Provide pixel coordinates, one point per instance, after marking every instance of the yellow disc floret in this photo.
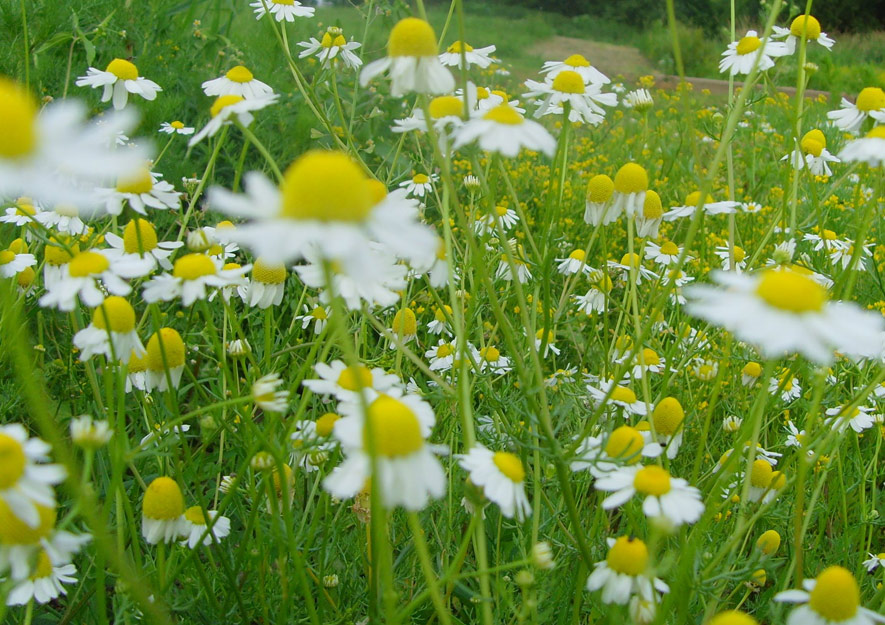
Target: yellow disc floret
(623, 394)
(326, 423)
(165, 341)
(652, 208)
(222, 102)
(405, 323)
(628, 556)
(510, 465)
(669, 249)
(14, 531)
(123, 69)
(577, 60)
(836, 595)
(139, 236)
(355, 378)
(807, 25)
(193, 266)
(326, 186)
(395, 430)
(412, 37)
(631, 178)
(115, 314)
(137, 183)
(268, 273)
(652, 480)
(870, 99)
(88, 264)
(458, 47)
(568, 81)
(239, 74)
(748, 45)
(18, 112)
(43, 568)
(791, 291)
(600, 189)
(446, 106)
(760, 475)
(195, 515)
(733, 617)
(625, 443)
(12, 461)
(163, 500)
(769, 542)
(668, 416)
(504, 114)
(490, 354)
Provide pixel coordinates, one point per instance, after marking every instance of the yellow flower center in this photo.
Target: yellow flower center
(268, 273)
(500, 211)
(490, 354)
(319, 313)
(355, 378)
(652, 480)
(136, 363)
(88, 264)
(446, 106)
(510, 465)
(440, 313)
(752, 369)
(283, 2)
(170, 344)
(760, 475)
(568, 82)
(504, 114)
(668, 416)
(222, 102)
(625, 443)
(631, 178)
(420, 179)
(669, 249)
(653, 208)
(482, 93)
(733, 617)
(325, 186)
(195, 515)
(239, 74)
(177, 125)
(628, 556)
(791, 291)
(56, 255)
(648, 357)
(578, 255)
(123, 69)
(836, 595)
(739, 254)
(870, 99)
(116, 314)
(139, 236)
(876, 133)
(193, 266)
(405, 323)
(694, 197)
(631, 260)
(23, 205)
(816, 135)
(330, 41)
(778, 480)
(445, 350)
(623, 394)
(812, 146)
(326, 423)
(12, 461)
(769, 542)
(6, 257)
(395, 429)
(18, 112)
(807, 25)
(14, 531)
(44, 566)
(412, 37)
(748, 44)
(458, 46)
(577, 60)
(600, 189)
(163, 500)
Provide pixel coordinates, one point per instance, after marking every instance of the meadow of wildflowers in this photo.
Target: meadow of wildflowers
(478, 349)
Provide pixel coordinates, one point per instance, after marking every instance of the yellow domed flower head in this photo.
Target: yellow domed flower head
(326, 423)
(111, 333)
(119, 80)
(733, 617)
(501, 475)
(18, 110)
(769, 542)
(325, 186)
(624, 572)
(164, 359)
(162, 512)
(625, 443)
(833, 597)
(630, 186)
(14, 531)
(598, 209)
(668, 417)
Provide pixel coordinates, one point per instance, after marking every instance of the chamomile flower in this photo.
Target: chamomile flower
(505, 131)
(596, 297)
(176, 128)
(665, 254)
(668, 417)
(802, 26)
(141, 191)
(870, 149)
(519, 263)
(620, 396)
(441, 356)
(118, 81)
(440, 323)
(812, 153)
(238, 81)
(411, 61)
(573, 263)
(420, 185)
(162, 517)
(575, 63)
(665, 496)
(446, 113)
(624, 573)
(630, 267)
(648, 219)
(601, 454)
(783, 311)
(491, 360)
(832, 598)
(725, 255)
(111, 333)
(501, 475)
(45, 583)
(870, 103)
(859, 418)
(786, 384)
(139, 240)
(316, 315)
(191, 275)
(875, 561)
(549, 344)
(732, 424)
(481, 57)
(13, 261)
(585, 100)
(266, 285)
(226, 108)
(90, 434)
(598, 206)
(751, 373)
(630, 187)
(393, 428)
(345, 383)
(333, 47)
(266, 393)
(26, 480)
(204, 528)
(281, 10)
(63, 218)
(501, 216)
(749, 52)
(710, 206)
(85, 272)
(164, 360)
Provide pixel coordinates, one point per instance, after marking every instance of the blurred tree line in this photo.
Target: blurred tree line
(712, 15)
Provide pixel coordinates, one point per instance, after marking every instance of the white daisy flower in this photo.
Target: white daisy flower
(665, 255)
(630, 188)
(25, 480)
(394, 428)
(28, 554)
(281, 10)
(238, 81)
(803, 25)
(441, 356)
(710, 206)
(12, 262)
(574, 263)
(842, 256)
(491, 360)
(197, 529)
(648, 219)
(162, 433)
(870, 103)
(782, 311)
(345, 383)
(163, 363)
(751, 51)
(446, 113)
(505, 131)
(585, 100)
(665, 496)
(316, 315)
(22, 213)
(64, 218)
(90, 434)
(596, 297)
(500, 216)
(575, 63)
(226, 108)
(481, 57)
(520, 264)
(630, 265)
(411, 61)
(139, 240)
(825, 240)
(502, 477)
(859, 418)
(598, 208)
(624, 573)
(875, 561)
(870, 149)
(832, 598)
(89, 270)
(266, 285)
(331, 48)
(639, 100)
(162, 517)
(625, 445)
(420, 185)
(45, 583)
(725, 253)
(176, 128)
(118, 81)
(812, 153)
(440, 323)
(111, 332)
(141, 191)
(190, 277)
(620, 396)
